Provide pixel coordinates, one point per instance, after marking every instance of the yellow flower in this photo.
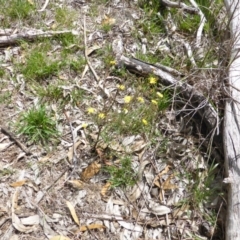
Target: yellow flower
(154, 102)
(144, 121)
(159, 94)
(140, 99)
(113, 62)
(121, 87)
(152, 80)
(101, 115)
(84, 125)
(125, 110)
(91, 110)
(127, 99)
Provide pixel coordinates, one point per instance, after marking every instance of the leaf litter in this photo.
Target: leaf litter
(37, 188)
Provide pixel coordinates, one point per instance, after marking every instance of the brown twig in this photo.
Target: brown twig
(73, 160)
(12, 137)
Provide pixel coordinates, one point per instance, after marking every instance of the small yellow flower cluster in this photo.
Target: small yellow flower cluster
(84, 125)
(154, 102)
(152, 80)
(101, 115)
(113, 62)
(91, 110)
(140, 99)
(160, 95)
(121, 87)
(128, 99)
(144, 121)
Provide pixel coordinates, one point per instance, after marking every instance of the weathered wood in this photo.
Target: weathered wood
(232, 126)
(9, 39)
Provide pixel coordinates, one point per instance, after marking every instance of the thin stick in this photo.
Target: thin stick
(11, 136)
(44, 6)
(85, 52)
(202, 22)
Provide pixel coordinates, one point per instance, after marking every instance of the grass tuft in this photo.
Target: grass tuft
(37, 125)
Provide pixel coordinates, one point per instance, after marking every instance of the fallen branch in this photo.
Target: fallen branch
(179, 4)
(30, 35)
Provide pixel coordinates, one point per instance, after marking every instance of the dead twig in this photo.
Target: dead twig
(73, 160)
(202, 22)
(44, 6)
(12, 137)
(86, 50)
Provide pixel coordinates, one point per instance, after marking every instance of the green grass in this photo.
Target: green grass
(2, 72)
(37, 125)
(16, 9)
(5, 97)
(55, 93)
(203, 190)
(39, 66)
(65, 17)
(122, 175)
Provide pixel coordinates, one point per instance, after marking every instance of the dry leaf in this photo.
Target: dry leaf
(70, 152)
(91, 226)
(19, 183)
(45, 158)
(92, 49)
(90, 171)
(15, 219)
(73, 213)
(19, 226)
(108, 21)
(105, 188)
(59, 237)
(4, 146)
(31, 220)
(158, 209)
(168, 185)
(76, 184)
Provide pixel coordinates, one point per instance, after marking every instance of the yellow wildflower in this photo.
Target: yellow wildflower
(127, 99)
(91, 110)
(160, 94)
(121, 87)
(154, 102)
(84, 125)
(113, 62)
(101, 115)
(152, 80)
(144, 121)
(140, 99)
